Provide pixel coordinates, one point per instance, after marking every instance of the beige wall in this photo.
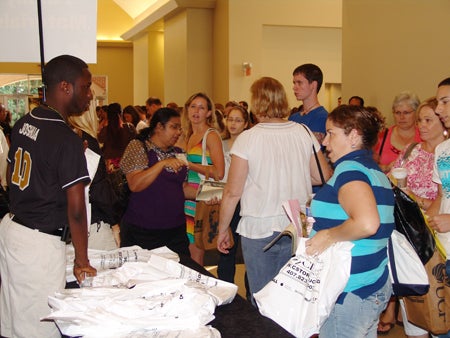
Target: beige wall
(391, 46)
(20, 68)
(116, 62)
(291, 32)
(175, 51)
(188, 55)
(155, 65)
(140, 70)
(221, 54)
(204, 48)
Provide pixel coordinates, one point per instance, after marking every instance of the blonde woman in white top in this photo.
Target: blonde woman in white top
(272, 162)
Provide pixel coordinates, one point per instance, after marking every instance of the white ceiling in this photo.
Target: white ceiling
(135, 7)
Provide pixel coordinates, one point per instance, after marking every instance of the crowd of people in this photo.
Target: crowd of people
(66, 152)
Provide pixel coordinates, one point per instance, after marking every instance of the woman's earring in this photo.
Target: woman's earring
(445, 133)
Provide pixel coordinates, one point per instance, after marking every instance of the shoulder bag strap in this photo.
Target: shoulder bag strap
(382, 142)
(204, 161)
(408, 151)
(322, 178)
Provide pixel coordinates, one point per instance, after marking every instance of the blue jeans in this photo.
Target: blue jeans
(262, 266)
(356, 317)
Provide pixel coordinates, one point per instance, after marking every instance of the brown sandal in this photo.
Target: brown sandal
(381, 325)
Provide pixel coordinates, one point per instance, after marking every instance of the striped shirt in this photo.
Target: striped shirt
(369, 270)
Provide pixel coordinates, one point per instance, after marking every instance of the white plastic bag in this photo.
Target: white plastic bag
(105, 260)
(407, 272)
(158, 298)
(305, 290)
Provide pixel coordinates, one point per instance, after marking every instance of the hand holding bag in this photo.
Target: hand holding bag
(206, 226)
(305, 290)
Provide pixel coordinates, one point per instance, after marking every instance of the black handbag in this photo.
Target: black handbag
(410, 222)
(119, 185)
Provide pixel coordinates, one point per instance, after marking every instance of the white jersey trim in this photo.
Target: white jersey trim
(47, 119)
(75, 181)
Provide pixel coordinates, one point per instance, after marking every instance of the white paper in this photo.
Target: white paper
(92, 160)
(69, 27)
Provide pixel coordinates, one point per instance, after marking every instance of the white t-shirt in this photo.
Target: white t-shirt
(278, 156)
(441, 175)
(141, 125)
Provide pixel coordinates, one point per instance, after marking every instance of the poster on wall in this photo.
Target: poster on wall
(100, 89)
(69, 27)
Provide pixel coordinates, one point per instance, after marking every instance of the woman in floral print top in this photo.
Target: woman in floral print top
(420, 161)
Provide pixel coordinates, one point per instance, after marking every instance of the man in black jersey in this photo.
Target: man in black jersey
(47, 175)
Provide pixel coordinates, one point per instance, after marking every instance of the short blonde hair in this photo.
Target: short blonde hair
(269, 98)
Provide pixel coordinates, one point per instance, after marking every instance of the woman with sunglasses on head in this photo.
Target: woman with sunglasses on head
(393, 140)
(199, 122)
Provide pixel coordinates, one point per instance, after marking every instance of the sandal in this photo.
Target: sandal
(382, 325)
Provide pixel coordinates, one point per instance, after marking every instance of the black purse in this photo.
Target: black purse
(410, 222)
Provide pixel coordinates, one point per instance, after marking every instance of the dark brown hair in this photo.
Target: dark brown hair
(368, 122)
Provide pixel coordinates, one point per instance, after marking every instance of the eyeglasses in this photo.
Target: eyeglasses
(175, 126)
(238, 120)
(398, 113)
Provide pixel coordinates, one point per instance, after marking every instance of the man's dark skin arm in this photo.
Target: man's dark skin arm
(76, 213)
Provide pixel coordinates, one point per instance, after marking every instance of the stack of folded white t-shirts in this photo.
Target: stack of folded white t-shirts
(157, 298)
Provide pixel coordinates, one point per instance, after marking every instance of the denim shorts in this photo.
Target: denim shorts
(357, 317)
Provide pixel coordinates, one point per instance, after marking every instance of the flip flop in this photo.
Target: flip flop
(383, 324)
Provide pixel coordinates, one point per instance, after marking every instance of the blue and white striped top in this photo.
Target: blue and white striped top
(369, 270)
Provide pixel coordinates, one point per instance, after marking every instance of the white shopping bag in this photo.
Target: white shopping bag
(305, 290)
(407, 272)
